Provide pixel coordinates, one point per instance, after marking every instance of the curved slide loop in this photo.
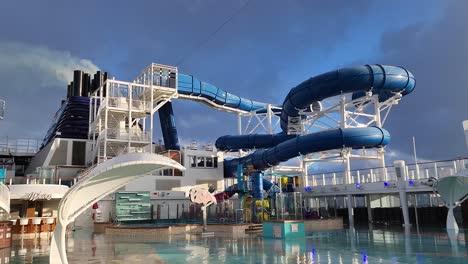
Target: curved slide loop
(368, 137)
(101, 181)
(381, 79)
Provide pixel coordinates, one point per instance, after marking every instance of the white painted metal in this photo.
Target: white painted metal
(453, 190)
(401, 183)
(99, 182)
(2, 109)
(349, 201)
(124, 106)
(348, 113)
(4, 198)
(465, 128)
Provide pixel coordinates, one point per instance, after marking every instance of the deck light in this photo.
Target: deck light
(385, 184)
(410, 182)
(358, 186)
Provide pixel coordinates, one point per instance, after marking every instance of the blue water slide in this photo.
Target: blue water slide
(189, 85)
(168, 127)
(267, 186)
(381, 80)
(365, 137)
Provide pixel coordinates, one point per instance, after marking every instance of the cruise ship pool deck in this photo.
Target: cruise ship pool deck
(338, 246)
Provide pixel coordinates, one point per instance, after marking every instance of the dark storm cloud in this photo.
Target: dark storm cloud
(438, 57)
(269, 47)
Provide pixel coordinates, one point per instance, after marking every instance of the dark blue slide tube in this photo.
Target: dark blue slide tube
(366, 137)
(383, 80)
(168, 127)
(257, 185)
(380, 79)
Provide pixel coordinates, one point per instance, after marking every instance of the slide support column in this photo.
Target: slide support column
(400, 169)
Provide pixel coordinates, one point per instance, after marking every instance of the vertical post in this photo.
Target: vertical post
(415, 159)
(400, 169)
(369, 209)
(347, 169)
(239, 124)
(378, 123)
(350, 210)
(269, 116)
(204, 218)
(416, 211)
(436, 173)
(129, 92)
(358, 174)
(151, 86)
(106, 118)
(257, 192)
(334, 178)
(240, 184)
(305, 179)
(344, 125)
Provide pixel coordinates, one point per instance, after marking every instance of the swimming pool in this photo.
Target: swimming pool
(342, 246)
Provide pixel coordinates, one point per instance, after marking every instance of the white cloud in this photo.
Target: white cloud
(43, 67)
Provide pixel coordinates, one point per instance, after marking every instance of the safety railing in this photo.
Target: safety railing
(123, 103)
(19, 146)
(126, 134)
(423, 170)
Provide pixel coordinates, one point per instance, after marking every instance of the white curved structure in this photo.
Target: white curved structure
(4, 198)
(100, 181)
(453, 190)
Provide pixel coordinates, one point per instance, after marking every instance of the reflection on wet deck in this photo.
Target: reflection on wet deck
(343, 246)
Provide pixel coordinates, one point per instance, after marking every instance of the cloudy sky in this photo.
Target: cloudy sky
(267, 48)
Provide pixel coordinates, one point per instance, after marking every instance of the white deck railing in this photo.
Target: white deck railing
(423, 170)
(19, 146)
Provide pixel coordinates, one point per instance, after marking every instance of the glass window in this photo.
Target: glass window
(209, 162)
(193, 161)
(200, 161)
(215, 161)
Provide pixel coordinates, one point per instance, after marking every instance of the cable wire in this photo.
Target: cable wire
(210, 36)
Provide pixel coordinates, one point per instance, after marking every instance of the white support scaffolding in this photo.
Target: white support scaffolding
(349, 113)
(264, 122)
(121, 113)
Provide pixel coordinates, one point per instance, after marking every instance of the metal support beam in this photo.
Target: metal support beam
(400, 169)
(349, 200)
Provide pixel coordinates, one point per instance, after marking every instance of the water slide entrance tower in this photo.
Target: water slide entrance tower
(124, 122)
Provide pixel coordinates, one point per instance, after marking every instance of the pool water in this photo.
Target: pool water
(342, 246)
